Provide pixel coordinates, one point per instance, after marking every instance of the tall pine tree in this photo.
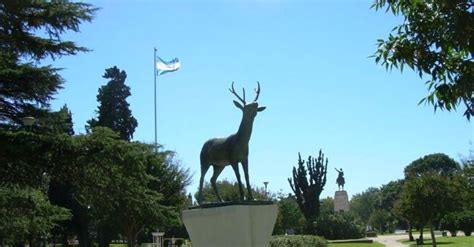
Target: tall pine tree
(31, 31)
(113, 110)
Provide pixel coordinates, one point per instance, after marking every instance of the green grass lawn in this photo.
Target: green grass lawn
(461, 241)
(374, 244)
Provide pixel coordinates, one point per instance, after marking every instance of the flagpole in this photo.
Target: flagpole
(154, 74)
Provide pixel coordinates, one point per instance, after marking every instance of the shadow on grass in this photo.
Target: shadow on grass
(428, 243)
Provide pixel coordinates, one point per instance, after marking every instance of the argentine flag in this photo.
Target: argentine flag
(163, 67)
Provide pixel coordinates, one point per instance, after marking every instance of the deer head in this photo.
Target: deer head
(250, 109)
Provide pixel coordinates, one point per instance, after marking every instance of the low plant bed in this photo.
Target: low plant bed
(297, 241)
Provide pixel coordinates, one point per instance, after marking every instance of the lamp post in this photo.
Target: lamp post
(265, 183)
(28, 121)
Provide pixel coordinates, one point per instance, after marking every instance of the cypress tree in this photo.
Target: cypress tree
(113, 110)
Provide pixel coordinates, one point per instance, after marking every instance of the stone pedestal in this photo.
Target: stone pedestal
(231, 226)
(341, 201)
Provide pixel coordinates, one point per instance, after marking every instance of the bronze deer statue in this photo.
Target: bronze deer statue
(221, 152)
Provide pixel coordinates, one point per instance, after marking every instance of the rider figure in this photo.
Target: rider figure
(340, 179)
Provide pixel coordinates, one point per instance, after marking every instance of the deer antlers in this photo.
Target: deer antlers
(257, 91)
(232, 90)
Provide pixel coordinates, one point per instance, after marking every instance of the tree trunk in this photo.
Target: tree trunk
(64, 239)
(104, 235)
(421, 233)
(19, 244)
(410, 232)
(138, 232)
(31, 241)
(310, 228)
(83, 235)
(130, 237)
(433, 239)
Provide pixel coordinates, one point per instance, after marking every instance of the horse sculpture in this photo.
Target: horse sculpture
(340, 179)
(232, 150)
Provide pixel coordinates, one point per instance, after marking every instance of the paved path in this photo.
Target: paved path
(391, 240)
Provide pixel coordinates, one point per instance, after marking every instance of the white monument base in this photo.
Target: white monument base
(231, 226)
(341, 201)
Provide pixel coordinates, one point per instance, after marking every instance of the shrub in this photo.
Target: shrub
(339, 226)
(297, 241)
(466, 222)
(371, 234)
(450, 222)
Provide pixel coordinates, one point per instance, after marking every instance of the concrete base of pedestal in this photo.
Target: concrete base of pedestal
(231, 226)
(341, 201)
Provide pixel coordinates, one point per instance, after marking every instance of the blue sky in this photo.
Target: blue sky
(321, 89)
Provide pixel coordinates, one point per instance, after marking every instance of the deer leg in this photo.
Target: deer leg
(235, 166)
(204, 168)
(245, 165)
(217, 171)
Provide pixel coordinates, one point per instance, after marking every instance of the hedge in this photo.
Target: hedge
(298, 241)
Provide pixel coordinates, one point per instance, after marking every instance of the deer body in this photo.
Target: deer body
(232, 150)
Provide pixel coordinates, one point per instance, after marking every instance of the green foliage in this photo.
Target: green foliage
(27, 158)
(339, 226)
(289, 216)
(115, 181)
(375, 207)
(297, 241)
(466, 222)
(371, 234)
(326, 206)
(426, 199)
(31, 31)
(113, 110)
(379, 219)
(229, 191)
(435, 39)
(468, 175)
(307, 189)
(434, 163)
(58, 122)
(363, 204)
(389, 193)
(26, 87)
(26, 213)
(433, 187)
(450, 222)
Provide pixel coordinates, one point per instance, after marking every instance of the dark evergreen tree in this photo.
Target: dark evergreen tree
(128, 187)
(56, 122)
(29, 32)
(113, 111)
(308, 189)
